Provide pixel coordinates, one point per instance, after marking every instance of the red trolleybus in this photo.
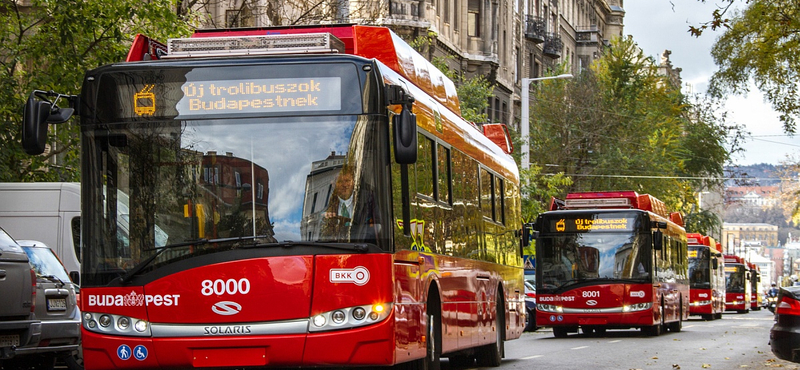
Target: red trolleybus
(309, 217)
(755, 283)
(706, 277)
(737, 284)
(611, 260)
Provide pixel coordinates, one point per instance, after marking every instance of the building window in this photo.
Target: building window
(474, 18)
(241, 17)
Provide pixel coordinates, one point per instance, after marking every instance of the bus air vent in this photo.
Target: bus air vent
(308, 43)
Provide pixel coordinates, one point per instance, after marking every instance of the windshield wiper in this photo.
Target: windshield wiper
(138, 268)
(54, 279)
(358, 247)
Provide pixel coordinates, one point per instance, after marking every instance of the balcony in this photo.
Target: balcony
(534, 29)
(552, 45)
(588, 36)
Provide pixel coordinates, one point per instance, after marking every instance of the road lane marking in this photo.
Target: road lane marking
(688, 326)
(615, 341)
(581, 347)
(531, 357)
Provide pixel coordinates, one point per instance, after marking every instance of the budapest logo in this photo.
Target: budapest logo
(226, 308)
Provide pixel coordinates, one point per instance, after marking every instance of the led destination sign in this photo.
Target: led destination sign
(228, 92)
(260, 96)
(587, 224)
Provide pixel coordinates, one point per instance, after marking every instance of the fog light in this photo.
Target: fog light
(319, 321)
(124, 322)
(359, 313)
(87, 316)
(92, 324)
(338, 317)
(373, 315)
(105, 321)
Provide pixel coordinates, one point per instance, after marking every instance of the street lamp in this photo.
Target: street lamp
(526, 85)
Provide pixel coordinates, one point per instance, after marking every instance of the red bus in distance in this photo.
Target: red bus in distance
(755, 284)
(706, 277)
(318, 199)
(737, 284)
(611, 260)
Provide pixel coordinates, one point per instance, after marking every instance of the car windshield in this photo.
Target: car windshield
(45, 263)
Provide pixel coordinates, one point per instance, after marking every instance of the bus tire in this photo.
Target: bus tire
(676, 326)
(560, 332)
(433, 344)
(491, 355)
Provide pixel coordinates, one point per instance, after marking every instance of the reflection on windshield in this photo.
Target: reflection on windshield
(699, 273)
(281, 180)
(568, 259)
(734, 279)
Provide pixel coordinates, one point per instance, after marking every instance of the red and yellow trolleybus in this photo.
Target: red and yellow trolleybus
(737, 284)
(706, 277)
(289, 197)
(755, 284)
(611, 260)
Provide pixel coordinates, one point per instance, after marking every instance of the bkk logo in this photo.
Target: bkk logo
(133, 300)
(639, 294)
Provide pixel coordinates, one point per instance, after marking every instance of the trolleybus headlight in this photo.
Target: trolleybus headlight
(140, 326)
(338, 317)
(637, 307)
(359, 313)
(123, 322)
(350, 317)
(103, 323)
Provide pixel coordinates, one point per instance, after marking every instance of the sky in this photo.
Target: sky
(658, 25)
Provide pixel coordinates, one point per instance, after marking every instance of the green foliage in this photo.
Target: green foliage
(761, 44)
(539, 189)
(48, 45)
(623, 126)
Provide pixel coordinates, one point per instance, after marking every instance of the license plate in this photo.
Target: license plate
(9, 340)
(56, 304)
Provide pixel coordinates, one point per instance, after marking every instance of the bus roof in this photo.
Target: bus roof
(626, 199)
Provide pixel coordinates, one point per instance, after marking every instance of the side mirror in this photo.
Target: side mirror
(658, 240)
(75, 277)
(714, 264)
(34, 125)
(528, 234)
(37, 114)
(405, 137)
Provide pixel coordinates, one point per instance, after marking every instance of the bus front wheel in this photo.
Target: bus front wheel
(491, 355)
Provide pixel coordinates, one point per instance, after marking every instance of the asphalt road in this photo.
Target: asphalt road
(737, 341)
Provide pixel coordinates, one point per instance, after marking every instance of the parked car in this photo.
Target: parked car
(56, 305)
(530, 307)
(784, 337)
(20, 331)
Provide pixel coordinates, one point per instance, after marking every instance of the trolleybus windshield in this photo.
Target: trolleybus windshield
(734, 278)
(590, 248)
(699, 264)
(308, 176)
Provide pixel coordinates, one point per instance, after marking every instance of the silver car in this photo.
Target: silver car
(20, 331)
(56, 305)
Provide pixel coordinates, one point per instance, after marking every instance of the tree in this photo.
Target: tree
(623, 126)
(761, 43)
(48, 45)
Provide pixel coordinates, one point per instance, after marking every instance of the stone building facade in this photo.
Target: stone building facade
(503, 40)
